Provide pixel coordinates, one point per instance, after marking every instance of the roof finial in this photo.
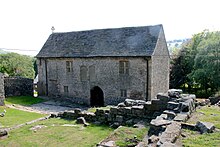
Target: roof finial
(52, 29)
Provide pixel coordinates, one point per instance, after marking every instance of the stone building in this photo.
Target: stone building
(2, 91)
(100, 67)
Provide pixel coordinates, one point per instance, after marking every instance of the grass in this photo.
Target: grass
(15, 117)
(123, 135)
(205, 140)
(23, 100)
(55, 134)
(206, 114)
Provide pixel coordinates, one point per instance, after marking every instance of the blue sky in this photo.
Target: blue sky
(26, 24)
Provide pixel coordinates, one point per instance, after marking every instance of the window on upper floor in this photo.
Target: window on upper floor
(92, 76)
(124, 67)
(83, 73)
(69, 66)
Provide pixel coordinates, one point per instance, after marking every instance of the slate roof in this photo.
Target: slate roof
(129, 41)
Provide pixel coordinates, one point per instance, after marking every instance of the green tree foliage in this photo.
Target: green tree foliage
(206, 67)
(183, 62)
(197, 63)
(14, 64)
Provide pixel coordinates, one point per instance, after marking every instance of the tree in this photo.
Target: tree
(206, 68)
(183, 63)
(14, 64)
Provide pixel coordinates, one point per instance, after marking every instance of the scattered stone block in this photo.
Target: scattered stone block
(3, 133)
(205, 127)
(168, 144)
(140, 124)
(214, 100)
(170, 114)
(171, 133)
(163, 97)
(181, 117)
(107, 144)
(174, 93)
(153, 139)
(172, 105)
(188, 126)
(81, 120)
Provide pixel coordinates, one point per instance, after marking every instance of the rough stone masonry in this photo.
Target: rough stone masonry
(2, 91)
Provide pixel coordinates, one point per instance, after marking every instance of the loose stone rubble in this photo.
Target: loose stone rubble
(166, 112)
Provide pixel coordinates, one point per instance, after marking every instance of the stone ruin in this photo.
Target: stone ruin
(170, 107)
(18, 86)
(2, 91)
(165, 114)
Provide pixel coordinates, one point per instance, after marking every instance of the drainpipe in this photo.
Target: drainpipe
(147, 80)
(46, 77)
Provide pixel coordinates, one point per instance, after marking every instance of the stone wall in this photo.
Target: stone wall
(159, 68)
(17, 86)
(106, 77)
(164, 108)
(2, 91)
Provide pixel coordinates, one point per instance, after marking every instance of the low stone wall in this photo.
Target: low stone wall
(2, 91)
(17, 86)
(130, 111)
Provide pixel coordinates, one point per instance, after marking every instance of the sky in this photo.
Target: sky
(25, 25)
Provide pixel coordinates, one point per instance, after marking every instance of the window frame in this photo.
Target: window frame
(123, 92)
(69, 66)
(124, 67)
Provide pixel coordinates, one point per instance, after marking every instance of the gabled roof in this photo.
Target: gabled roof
(129, 41)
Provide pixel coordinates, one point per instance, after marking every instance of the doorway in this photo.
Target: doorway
(96, 97)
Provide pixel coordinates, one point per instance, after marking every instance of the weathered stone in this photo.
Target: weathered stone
(163, 97)
(181, 117)
(121, 105)
(70, 114)
(2, 90)
(17, 86)
(90, 117)
(77, 111)
(174, 93)
(214, 100)
(113, 110)
(137, 111)
(168, 144)
(129, 122)
(164, 116)
(3, 132)
(205, 127)
(172, 105)
(153, 139)
(188, 126)
(170, 114)
(147, 105)
(107, 144)
(99, 112)
(81, 120)
(115, 125)
(171, 133)
(140, 124)
(119, 119)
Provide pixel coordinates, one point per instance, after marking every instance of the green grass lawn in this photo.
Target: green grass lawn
(56, 134)
(15, 117)
(194, 139)
(123, 135)
(23, 100)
